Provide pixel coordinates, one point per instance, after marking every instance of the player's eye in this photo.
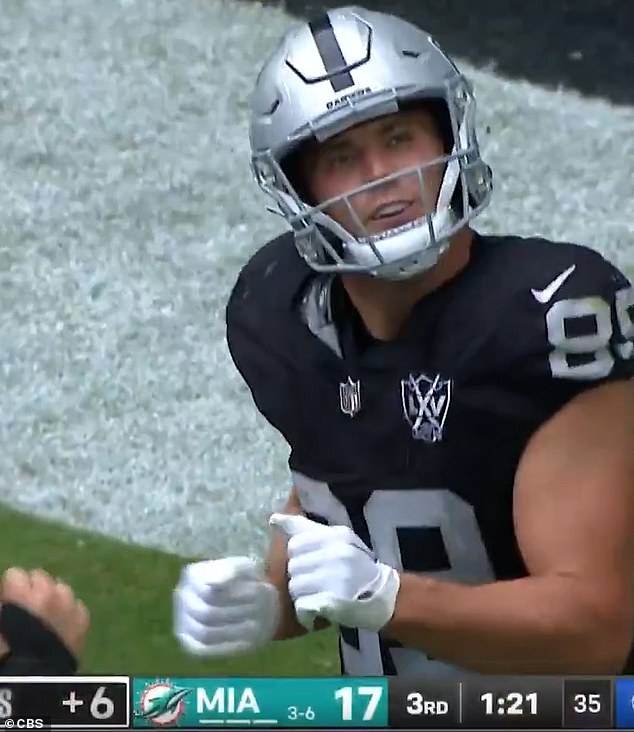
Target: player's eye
(339, 159)
(399, 138)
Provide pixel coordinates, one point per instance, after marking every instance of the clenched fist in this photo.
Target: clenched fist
(334, 575)
(225, 606)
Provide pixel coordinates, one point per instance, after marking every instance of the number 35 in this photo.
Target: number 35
(590, 356)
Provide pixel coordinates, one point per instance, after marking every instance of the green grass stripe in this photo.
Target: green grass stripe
(128, 591)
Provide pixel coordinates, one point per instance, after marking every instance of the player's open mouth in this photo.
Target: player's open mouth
(389, 215)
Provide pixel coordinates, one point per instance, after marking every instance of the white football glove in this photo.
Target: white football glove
(225, 606)
(333, 574)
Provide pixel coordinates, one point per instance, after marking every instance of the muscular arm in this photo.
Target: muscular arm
(275, 567)
(574, 517)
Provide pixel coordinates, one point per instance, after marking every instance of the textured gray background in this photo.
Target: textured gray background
(126, 208)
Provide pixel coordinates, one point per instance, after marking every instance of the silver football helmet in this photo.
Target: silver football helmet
(350, 66)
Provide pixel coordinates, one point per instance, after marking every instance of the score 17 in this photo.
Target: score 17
(359, 703)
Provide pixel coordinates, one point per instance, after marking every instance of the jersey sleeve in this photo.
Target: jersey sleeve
(591, 331)
(582, 336)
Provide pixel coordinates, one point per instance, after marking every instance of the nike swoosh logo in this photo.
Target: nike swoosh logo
(546, 295)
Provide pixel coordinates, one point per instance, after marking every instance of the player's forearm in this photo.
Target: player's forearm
(275, 570)
(529, 625)
(288, 626)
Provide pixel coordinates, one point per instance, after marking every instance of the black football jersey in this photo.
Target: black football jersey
(414, 443)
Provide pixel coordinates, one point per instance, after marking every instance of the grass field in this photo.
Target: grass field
(128, 590)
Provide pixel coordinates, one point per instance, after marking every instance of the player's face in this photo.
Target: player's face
(369, 152)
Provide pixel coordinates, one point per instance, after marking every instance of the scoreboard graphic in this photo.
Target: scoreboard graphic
(473, 703)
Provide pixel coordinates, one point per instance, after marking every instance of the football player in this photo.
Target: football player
(459, 407)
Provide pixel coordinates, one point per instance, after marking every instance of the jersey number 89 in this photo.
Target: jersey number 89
(591, 355)
(385, 513)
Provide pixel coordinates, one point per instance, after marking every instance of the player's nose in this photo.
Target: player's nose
(376, 165)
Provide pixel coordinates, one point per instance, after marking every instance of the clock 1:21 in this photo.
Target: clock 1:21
(510, 703)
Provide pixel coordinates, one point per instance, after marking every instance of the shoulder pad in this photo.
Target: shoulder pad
(271, 279)
(567, 315)
(545, 271)
(260, 318)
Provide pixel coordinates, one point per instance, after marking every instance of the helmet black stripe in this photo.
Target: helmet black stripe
(331, 53)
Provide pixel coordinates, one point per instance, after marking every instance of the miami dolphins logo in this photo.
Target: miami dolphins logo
(162, 704)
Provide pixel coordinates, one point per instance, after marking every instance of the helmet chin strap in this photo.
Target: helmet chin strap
(426, 261)
(416, 239)
(448, 185)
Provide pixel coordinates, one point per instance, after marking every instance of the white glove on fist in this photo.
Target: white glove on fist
(225, 606)
(333, 574)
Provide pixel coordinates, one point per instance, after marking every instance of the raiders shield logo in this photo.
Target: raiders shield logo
(350, 397)
(425, 405)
